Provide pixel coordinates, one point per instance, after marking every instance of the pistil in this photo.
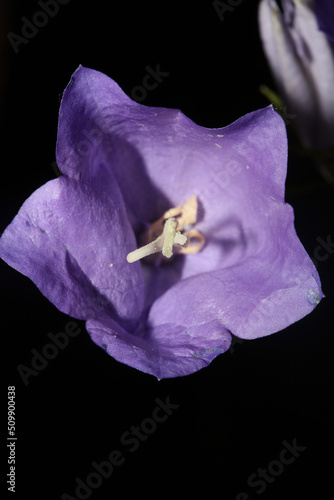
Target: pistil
(163, 236)
(164, 243)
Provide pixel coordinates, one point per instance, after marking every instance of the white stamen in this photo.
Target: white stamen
(164, 243)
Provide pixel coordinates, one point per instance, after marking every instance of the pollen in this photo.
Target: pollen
(165, 235)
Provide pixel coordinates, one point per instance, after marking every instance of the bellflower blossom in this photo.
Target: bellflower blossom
(301, 59)
(166, 237)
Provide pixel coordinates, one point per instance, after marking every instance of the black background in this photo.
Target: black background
(232, 416)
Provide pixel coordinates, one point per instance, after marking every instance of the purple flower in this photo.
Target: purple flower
(302, 63)
(209, 203)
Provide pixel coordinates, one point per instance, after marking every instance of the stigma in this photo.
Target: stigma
(165, 236)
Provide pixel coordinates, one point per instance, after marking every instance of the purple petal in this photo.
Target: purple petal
(70, 240)
(239, 179)
(160, 157)
(271, 288)
(171, 350)
(96, 116)
(254, 275)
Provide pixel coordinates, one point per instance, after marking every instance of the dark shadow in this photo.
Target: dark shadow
(144, 201)
(234, 239)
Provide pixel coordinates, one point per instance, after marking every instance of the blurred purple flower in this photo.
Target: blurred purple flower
(129, 171)
(302, 63)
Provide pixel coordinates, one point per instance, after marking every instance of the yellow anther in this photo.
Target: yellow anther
(195, 242)
(185, 214)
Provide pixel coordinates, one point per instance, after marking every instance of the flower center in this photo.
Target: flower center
(164, 235)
